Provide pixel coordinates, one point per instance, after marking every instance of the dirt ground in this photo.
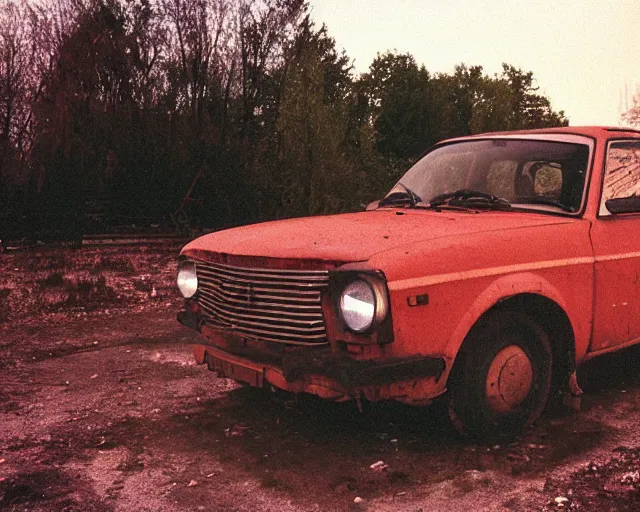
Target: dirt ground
(102, 408)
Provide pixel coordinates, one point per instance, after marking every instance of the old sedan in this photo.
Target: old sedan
(496, 265)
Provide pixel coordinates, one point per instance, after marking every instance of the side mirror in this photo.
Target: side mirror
(372, 205)
(623, 205)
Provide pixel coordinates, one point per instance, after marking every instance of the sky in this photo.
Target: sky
(583, 54)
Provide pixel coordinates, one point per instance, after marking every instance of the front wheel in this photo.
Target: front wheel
(501, 381)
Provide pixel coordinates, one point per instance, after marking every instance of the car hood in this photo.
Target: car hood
(356, 236)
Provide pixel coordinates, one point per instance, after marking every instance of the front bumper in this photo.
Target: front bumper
(353, 373)
(321, 371)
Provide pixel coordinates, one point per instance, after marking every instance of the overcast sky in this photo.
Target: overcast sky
(581, 52)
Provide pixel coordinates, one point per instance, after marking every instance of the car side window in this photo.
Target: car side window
(621, 190)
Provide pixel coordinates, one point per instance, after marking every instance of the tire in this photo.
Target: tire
(501, 379)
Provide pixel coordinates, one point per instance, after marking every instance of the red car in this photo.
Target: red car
(496, 265)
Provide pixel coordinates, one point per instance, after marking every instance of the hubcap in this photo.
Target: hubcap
(509, 379)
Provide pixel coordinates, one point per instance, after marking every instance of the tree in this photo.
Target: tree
(198, 32)
(528, 108)
(318, 175)
(399, 94)
(264, 28)
(18, 84)
(244, 106)
(632, 116)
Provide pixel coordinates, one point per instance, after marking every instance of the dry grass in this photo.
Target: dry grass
(83, 280)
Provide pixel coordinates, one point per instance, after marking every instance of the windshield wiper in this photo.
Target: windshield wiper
(545, 200)
(403, 197)
(468, 197)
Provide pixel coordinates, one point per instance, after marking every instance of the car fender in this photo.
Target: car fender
(503, 288)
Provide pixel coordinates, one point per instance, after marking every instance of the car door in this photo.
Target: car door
(615, 236)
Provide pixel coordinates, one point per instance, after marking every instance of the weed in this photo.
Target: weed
(4, 304)
(30, 487)
(113, 264)
(40, 261)
(55, 280)
(88, 292)
(131, 463)
(271, 482)
(464, 485)
(142, 286)
(399, 477)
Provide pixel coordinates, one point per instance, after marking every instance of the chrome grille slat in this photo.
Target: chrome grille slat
(250, 318)
(272, 285)
(265, 304)
(270, 271)
(270, 335)
(293, 297)
(241, 299)
(241, 306)
(294, 279)
(244, 284)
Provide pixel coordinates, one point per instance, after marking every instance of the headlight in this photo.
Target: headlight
(358, 305)
(187, 279)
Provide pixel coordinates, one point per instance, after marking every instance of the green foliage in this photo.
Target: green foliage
(399, 95)
(217, 112)
(317, 174)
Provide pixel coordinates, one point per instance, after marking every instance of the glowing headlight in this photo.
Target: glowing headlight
(358, 305)
(187, 279)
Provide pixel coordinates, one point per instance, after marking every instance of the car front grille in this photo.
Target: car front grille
(264, 304)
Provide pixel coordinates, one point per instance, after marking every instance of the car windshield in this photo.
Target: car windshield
(496, 173)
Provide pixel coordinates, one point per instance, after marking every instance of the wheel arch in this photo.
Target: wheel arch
(534, 297)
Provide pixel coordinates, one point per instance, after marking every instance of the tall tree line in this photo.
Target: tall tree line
(215, 113)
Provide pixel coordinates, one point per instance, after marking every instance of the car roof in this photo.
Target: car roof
(596, 132)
